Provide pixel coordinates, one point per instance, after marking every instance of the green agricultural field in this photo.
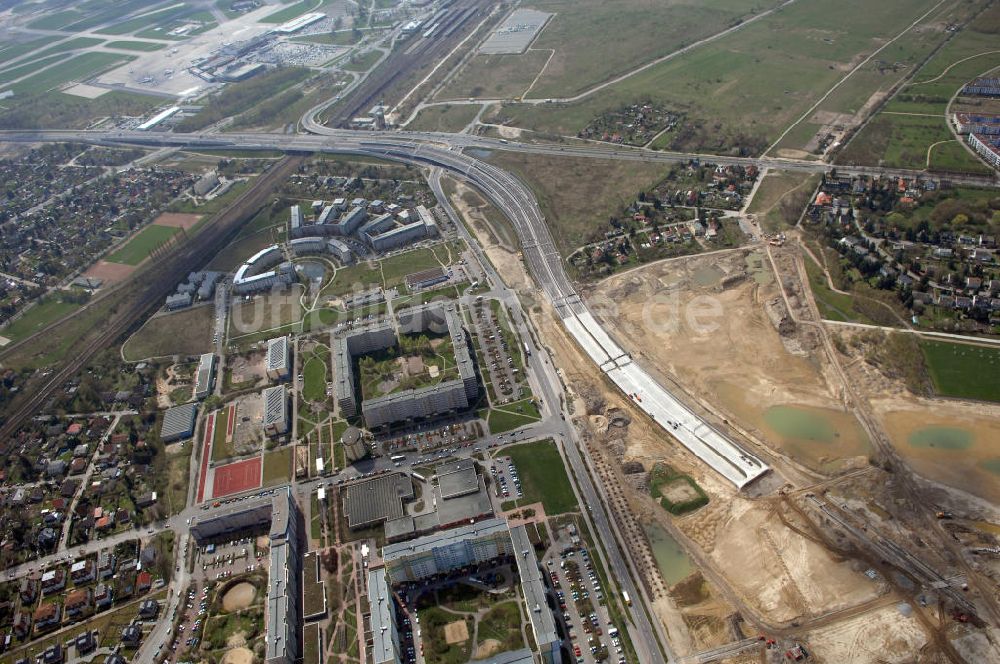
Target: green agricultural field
(128, 45)
(905, 141)
(543, 476)
(142, 244)
(963, 371)
(740, 92)
(39, 317)
(78, 68)
(450, 118)
(893, 139)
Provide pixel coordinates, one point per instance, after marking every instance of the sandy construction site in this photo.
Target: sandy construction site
(718, 326)
(719, 323)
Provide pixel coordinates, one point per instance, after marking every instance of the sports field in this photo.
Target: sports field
(237, 477)
(278, 466)
(142, 244)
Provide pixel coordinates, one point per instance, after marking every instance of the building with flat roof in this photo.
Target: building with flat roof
(447, 550)
(376, 500)
(178, 422)
(448, 396)
(276, 420)
(457, 478)
(205, 377)
(543, 625)
(385, 633)
(283, 614)
(278, 361)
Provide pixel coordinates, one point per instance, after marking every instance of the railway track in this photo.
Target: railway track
(158, 282)
(407, 57)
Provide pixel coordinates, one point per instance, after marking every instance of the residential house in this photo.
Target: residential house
(22, 624)
(47, 615)
(53, 654)
(148, 609)
(103, 596)
(83, 571)
(53, 581)
(131, 636)
(85, 643)
(29, 590)
(105, 564)
(143, 582)
(78, 602)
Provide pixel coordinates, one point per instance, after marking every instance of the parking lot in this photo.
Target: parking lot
(590, 635)
(496, 354)
(507, 484)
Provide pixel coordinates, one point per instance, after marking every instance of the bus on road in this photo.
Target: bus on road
(397, 458)
(628, 600)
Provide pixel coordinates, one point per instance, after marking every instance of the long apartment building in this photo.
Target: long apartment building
(445, 397)
(447, 550)
(278, 362)
(204, 377)
(276, 419)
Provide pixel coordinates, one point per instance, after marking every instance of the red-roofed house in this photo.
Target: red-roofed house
(143, 582)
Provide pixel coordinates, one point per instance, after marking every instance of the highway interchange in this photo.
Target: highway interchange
(443, 154)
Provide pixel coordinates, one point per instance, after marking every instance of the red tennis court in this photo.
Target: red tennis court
(237, 477)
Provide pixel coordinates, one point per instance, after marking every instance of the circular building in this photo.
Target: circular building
(354, 444)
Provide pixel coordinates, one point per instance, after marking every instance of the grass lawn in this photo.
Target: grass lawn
(512, 416)
(543, 476)
(13, 50)
(502, 623)
(178, 479)
(578, 194)
(781, 197)
(221, 449)
(588, 36)
(495, 76)
(147, 20)
(436, 650)
(129, 45)
(362, 62)
(142, 244)
(314, 374)
(38, 317)
(26, 69)
(289, 12)
(737, 93)
(184, 332)
(339, 38)
(277, 466)
(832, 305)
(266, 312)
(395, 269)
(963, 371)
(450, 118)
(55, 20)
(74, 44)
